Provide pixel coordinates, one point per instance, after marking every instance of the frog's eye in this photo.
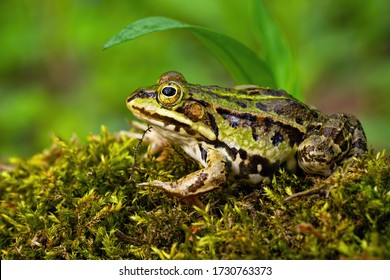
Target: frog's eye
(168, 91)
(169, 94)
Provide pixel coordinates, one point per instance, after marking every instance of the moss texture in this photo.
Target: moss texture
(80, 201)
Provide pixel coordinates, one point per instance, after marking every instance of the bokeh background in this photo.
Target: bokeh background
(56, 79)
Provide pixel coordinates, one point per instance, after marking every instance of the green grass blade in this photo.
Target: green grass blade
(240, 61)
(275, 49)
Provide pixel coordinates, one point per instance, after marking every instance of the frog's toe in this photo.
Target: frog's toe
(169, 187)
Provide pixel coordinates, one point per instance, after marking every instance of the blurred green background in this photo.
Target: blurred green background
(56, 79)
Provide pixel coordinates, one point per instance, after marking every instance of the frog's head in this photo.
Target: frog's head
(168, 107)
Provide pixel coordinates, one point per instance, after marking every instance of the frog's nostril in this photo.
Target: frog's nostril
(140, 93)
(135, 95)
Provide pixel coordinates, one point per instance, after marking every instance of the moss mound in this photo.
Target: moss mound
(80, 201)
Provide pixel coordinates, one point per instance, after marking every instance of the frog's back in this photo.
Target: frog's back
(258, 102)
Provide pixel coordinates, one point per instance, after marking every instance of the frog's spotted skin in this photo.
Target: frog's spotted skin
(243, 132)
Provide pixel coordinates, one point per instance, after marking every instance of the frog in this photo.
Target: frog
(243, 133)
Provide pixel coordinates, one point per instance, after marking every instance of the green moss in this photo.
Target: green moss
(78, 201)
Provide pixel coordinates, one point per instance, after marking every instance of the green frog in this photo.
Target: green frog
(244, 133)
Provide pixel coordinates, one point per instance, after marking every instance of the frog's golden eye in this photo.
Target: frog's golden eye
(169, 94)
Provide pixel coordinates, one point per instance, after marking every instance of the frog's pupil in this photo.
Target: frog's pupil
(169, 91)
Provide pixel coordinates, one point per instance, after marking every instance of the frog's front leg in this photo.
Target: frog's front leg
(211, 177)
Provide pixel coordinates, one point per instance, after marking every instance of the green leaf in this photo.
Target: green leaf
(275, 49)
(142, 27)
(240, 61)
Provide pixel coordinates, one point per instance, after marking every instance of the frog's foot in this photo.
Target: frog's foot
(169, 187)
(172, 188)
(214, 175)
(194, 184)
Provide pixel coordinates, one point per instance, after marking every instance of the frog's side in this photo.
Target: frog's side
(243, 132)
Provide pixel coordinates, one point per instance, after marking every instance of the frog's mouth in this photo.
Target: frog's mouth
(172, 122)
(164, 121)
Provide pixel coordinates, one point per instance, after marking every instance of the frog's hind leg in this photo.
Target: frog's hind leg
(338, 141)
(324, 148)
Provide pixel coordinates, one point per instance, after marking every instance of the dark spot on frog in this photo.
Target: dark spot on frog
(223, 112)
(177, 128)
(298, 120)
(237, 119)
(247, 116)
(290, 133)
(241, 104)
(213, 124)
(201, 178)
(268, 122)
(291, 108)
(277, 139)
(251, 166)
(255, 136)
(234, 152)
(226, 113)
(203, 153)
(285, 107)
(265, 125)
(283, 132)
(243, 154)
(273, 92)
(261, 106)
